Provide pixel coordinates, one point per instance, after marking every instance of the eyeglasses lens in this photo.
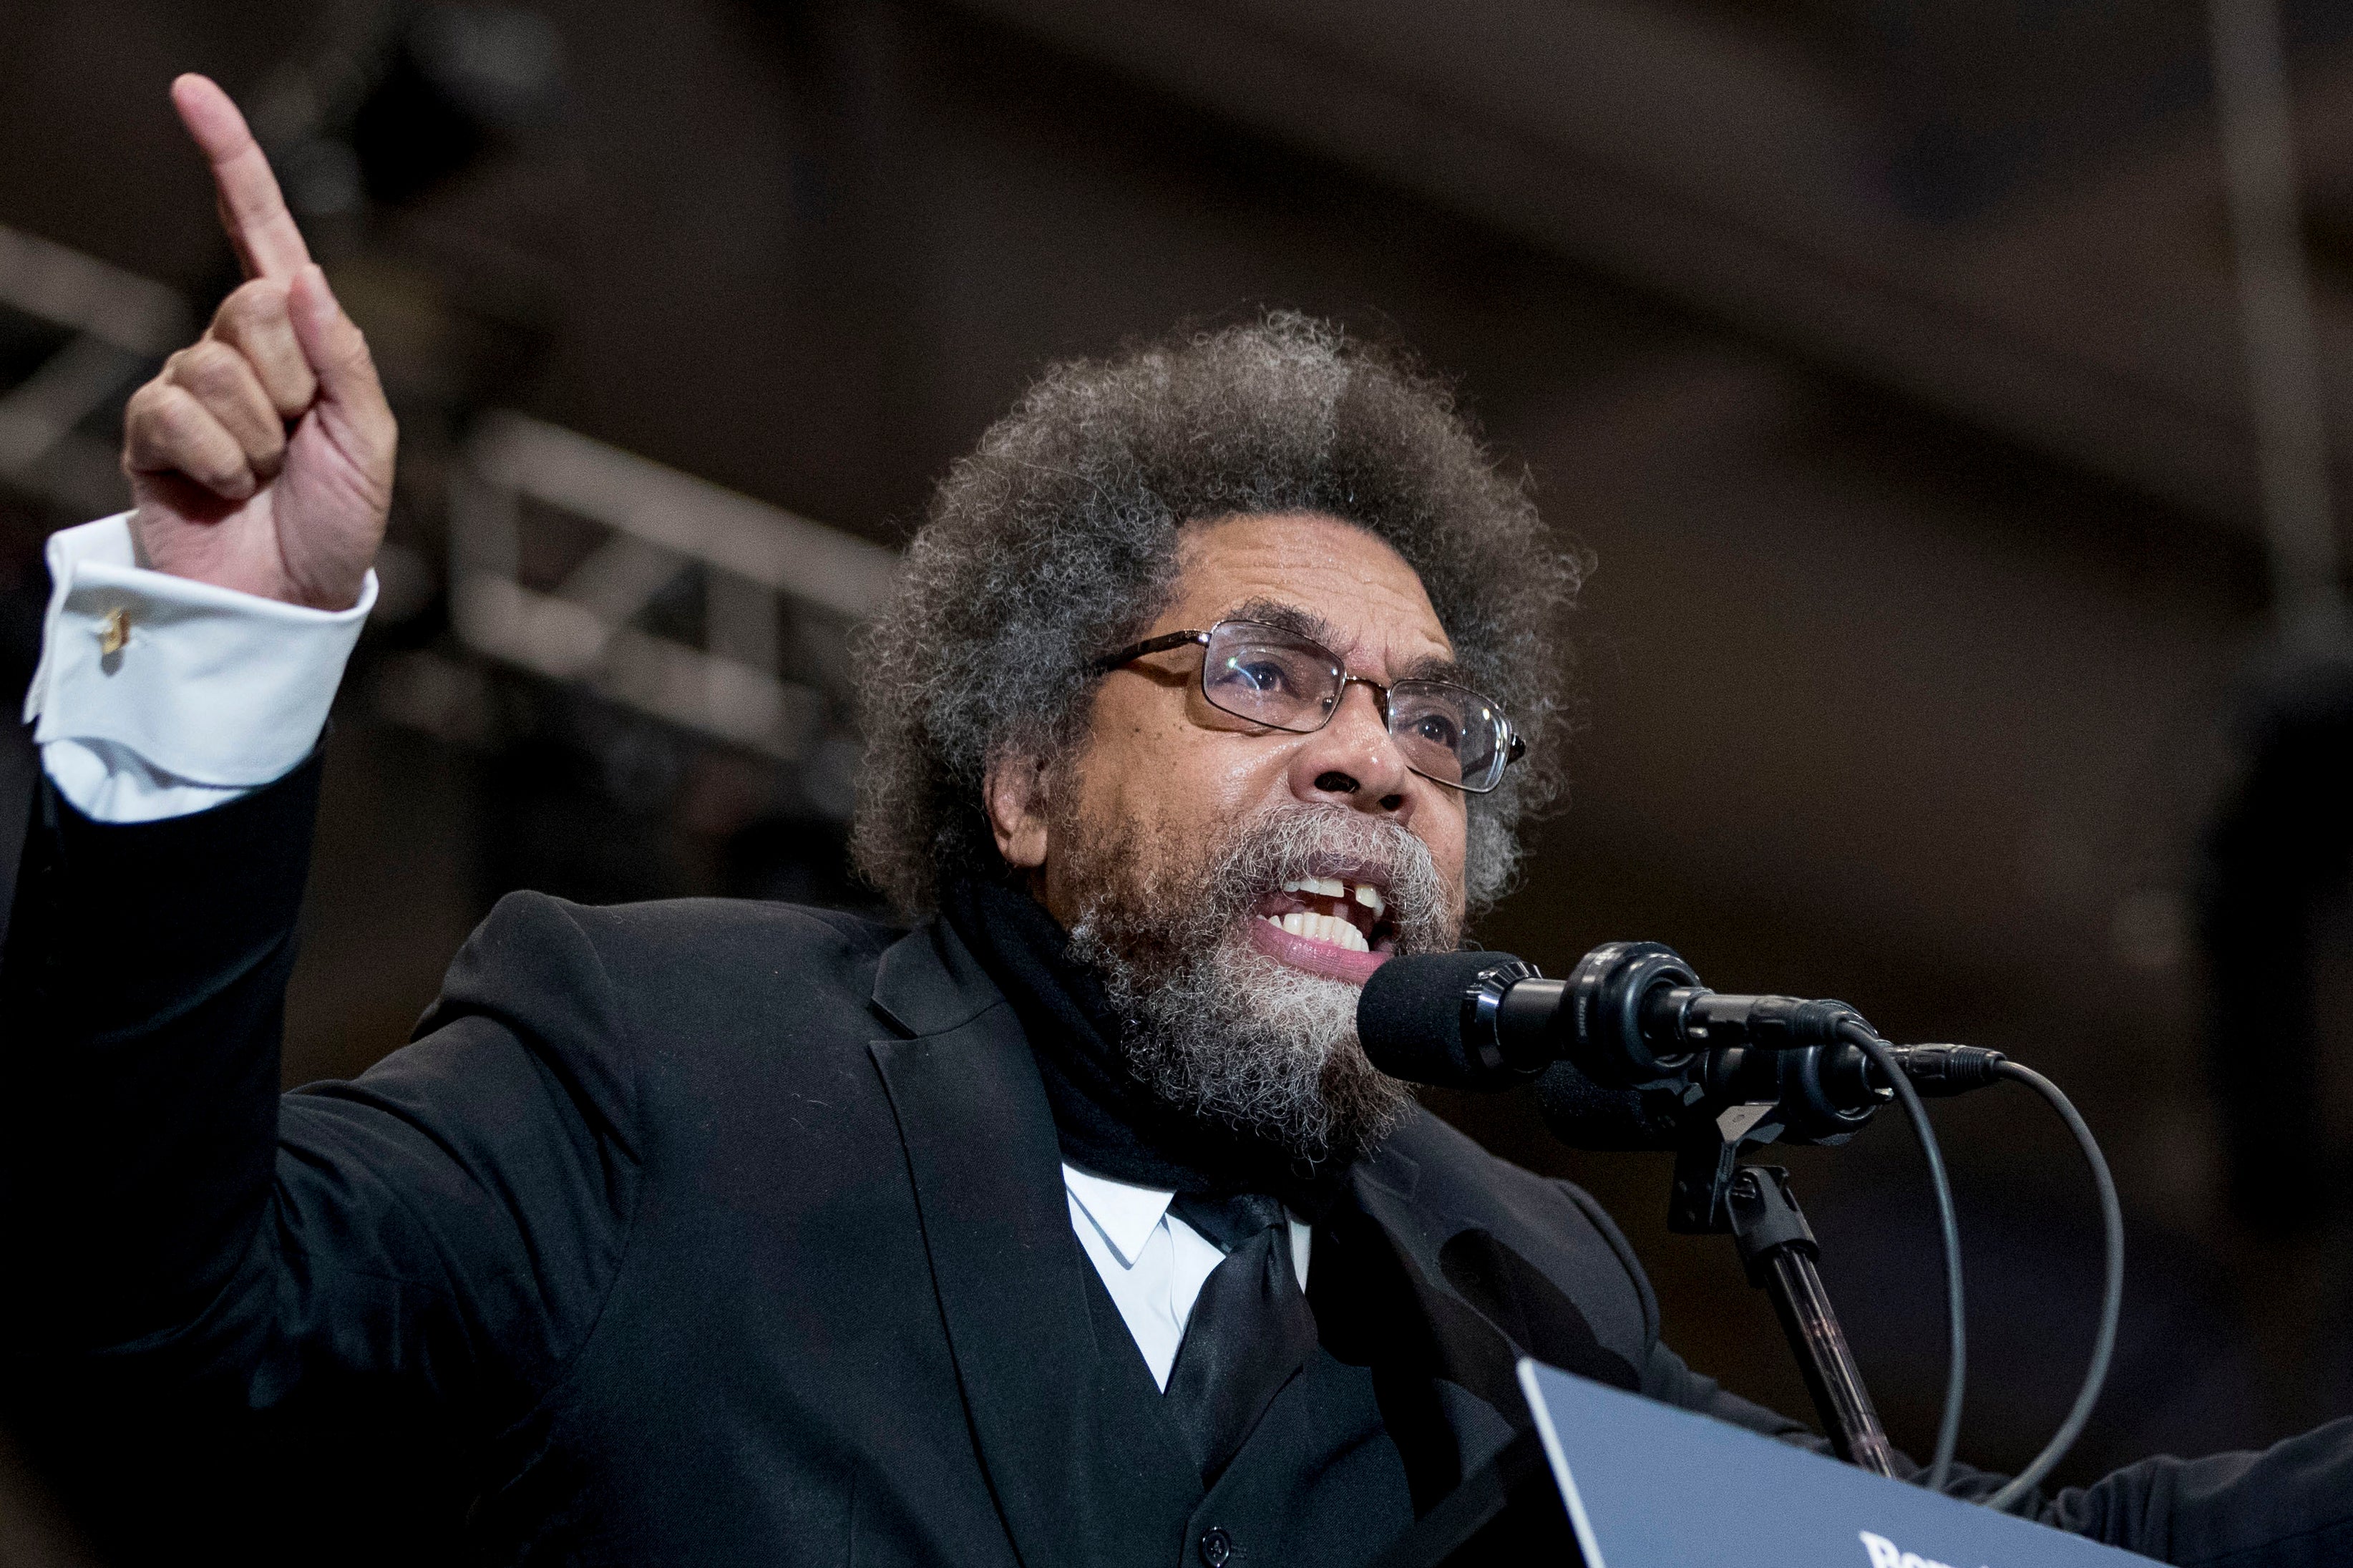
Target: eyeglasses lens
(1285, 682)
(1269, 676)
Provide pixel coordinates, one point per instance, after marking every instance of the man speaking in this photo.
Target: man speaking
(1068, 1226)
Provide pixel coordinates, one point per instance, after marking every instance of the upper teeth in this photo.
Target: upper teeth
(1334, 888)
(1322, 928)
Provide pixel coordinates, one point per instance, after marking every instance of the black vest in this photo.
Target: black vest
(1317, 1483)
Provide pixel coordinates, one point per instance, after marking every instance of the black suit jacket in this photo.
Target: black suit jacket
(721, 1232)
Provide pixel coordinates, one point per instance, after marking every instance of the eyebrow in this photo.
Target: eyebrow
(1307, 624)
(1435, 667)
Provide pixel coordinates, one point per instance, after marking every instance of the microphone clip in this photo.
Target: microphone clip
(1708, 1164)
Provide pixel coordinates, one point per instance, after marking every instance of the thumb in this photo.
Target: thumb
(339, 357)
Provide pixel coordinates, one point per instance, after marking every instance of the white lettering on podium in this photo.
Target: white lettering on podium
(1885, 1553)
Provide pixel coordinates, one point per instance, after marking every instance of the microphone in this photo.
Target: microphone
(1434, 1018)
(1630, 1049)
(1632, 1015)
(1485, 1021)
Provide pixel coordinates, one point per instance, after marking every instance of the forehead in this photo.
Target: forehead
(1355, 584)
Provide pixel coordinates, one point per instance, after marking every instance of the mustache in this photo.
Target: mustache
(1286, 842)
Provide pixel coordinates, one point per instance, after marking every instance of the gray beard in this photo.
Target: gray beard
(1217, 1029)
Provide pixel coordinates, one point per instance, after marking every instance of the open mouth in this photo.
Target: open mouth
(1335, 925)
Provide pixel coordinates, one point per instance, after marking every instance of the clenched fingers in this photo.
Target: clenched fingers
(348, 383)
(254, 322)
(224, 382)
(166, 430)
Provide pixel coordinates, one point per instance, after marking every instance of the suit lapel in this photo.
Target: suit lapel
(1441, 1375)
(1462, 1345)
(986, 1169)
(1441, 1305)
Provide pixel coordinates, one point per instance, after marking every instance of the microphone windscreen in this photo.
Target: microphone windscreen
(1410, 1017)
(1583, 1114)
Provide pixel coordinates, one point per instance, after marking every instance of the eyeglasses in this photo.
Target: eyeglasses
(1285, 682)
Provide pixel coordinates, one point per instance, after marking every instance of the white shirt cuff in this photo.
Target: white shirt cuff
(157, 696)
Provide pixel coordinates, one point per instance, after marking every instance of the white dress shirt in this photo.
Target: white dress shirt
(1152, 1262)
(156, 697)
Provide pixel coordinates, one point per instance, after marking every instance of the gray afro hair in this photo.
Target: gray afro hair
(1055, 542)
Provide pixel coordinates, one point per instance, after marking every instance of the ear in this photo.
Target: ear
(1015, 795)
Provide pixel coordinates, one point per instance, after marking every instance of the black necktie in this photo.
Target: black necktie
(1250, 1328)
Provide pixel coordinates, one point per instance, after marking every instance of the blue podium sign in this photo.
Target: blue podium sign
(1648, 1486)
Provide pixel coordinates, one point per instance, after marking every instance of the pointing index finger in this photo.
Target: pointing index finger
(251, 209)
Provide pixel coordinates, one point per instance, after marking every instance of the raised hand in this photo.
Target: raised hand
(260, 457)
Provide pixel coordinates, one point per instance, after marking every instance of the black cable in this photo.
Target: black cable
(1949, 1429)
(2112, 1300)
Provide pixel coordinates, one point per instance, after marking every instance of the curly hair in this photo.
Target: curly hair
(1056, 540)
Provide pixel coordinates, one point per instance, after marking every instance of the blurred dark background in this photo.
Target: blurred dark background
(1885, 354)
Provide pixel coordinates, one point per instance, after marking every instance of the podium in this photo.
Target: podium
(1648, 1486)
(1644, 1485)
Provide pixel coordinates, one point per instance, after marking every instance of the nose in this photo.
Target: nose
(1353, 761)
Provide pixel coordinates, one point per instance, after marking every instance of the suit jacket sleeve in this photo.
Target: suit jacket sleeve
(448, 1223)
(2290, 1506)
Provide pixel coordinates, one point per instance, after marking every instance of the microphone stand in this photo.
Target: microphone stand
(1715, 1194)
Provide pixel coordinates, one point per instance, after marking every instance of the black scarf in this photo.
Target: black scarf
(1108, 1121)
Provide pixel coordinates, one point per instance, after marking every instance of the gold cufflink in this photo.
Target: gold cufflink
(114, 630)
